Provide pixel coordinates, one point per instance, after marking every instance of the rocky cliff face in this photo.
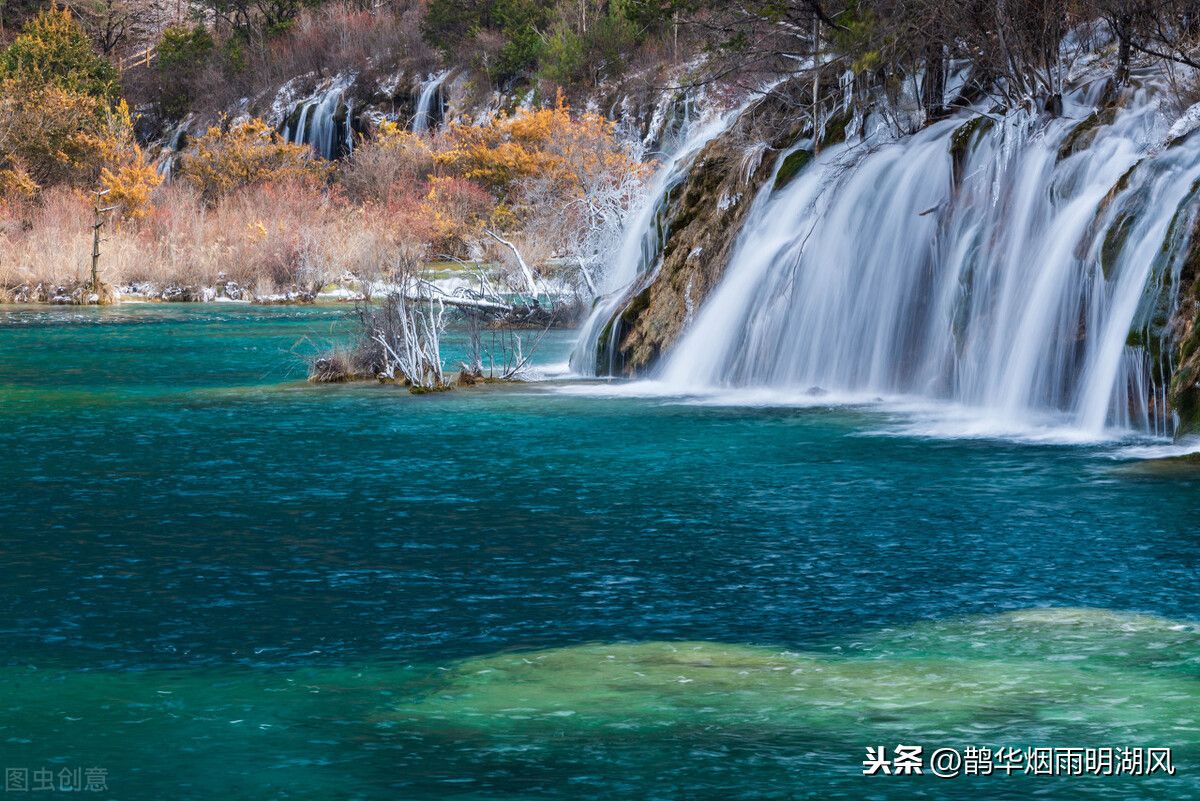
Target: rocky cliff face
(1184, 395)
(700, 222)
(332, 111)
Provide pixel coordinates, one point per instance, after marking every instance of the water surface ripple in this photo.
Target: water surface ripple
(192, 535)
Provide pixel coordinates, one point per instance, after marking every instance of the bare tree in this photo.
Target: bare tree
(1162, 29)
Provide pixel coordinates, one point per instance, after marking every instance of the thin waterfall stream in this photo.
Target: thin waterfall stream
(429, 103)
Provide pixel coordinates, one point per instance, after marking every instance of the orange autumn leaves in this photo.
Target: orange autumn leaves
(249, 153)
(549, 145)
(495, 174)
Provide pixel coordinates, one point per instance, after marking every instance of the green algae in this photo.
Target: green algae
(1082, 671)
(1043, 676)
(792, 166)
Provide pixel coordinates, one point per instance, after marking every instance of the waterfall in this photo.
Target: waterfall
(317, 125)
(429, 103)
(641, 241)
(170, 156)
(983, 262)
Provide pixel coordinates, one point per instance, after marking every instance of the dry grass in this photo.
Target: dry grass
(337, 365)
(266, 238)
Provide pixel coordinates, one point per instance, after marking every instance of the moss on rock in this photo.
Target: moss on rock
(963, 138)
(792, 166)
(1082, 135)
(697, 224)
(993, 672)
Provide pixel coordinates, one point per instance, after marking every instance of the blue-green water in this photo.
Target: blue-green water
(218, 581)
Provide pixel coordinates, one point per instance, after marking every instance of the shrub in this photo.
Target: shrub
(515, 24)
(16, 185)
(56, 136)
(560, 151)
(392, 163)
(121, 165)
(182, 56)
(574, 56)
(458, 209)
(129, 186)
(61, 121)
(248, 153)
(53, 49)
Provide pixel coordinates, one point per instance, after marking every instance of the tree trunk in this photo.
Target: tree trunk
(526, 273)
(935, 83)
(1121, 27)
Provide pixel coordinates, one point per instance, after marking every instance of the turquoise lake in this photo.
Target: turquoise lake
(218, 581)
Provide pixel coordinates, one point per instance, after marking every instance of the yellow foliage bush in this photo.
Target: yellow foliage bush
(390, 136)
(124, 171)
(16, 185)
(457, 211)
(49, 130)
(565, 153)
(130, 186)
(252, 152)
(53, 136)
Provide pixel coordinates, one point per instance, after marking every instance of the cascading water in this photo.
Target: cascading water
(317, 125)
(166, 164)
(429, 103)
(988, 265)
(641, 241)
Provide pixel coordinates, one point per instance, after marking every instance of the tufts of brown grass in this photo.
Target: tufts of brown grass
(337, 365)
(267, 238)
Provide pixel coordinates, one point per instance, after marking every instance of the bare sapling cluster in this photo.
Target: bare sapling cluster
(403, 335)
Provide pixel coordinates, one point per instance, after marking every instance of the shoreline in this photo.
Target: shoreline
(81, 294)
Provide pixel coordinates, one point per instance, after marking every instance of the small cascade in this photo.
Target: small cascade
(318, 126)
(641, 245)
(1004, 264)
(673, 116)
(170, 154)
(431, 103)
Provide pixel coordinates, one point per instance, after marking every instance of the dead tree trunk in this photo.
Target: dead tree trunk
(97, 224)
(935, 83)
(1121, 28)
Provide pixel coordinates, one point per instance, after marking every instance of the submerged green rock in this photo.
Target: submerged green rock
(1063, 677)
(1074, 673)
